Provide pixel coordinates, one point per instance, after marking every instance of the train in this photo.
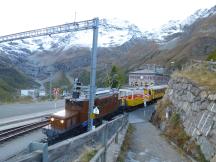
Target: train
(135, 97)
(75, 113)
(109, 102)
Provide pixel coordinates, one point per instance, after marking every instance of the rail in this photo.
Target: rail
(16, 131)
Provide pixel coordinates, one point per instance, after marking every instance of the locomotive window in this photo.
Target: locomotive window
(149, 92)
(73, 121)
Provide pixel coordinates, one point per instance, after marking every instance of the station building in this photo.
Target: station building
(150, 74)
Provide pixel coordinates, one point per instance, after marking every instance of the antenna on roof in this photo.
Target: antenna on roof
(75, 17)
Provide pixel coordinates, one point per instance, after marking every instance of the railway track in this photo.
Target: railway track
(16, 131)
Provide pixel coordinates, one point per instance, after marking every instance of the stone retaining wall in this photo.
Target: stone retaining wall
(197, 108)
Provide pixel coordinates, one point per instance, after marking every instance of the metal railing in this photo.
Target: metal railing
(211, 66)
(101, 155)
(199, 64)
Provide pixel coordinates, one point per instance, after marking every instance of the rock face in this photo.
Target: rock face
(197, 108)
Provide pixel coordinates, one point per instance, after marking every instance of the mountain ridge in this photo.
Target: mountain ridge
(120, 43)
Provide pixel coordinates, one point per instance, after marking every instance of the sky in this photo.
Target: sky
(22, 15)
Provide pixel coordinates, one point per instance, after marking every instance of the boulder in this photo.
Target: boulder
(203, 95)
(190, 97)
(195, 90)
(204, 105)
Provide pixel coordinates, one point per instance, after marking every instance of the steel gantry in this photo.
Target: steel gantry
(69, 27)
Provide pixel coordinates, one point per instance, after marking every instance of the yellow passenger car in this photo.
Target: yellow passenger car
(152, 93)
(131, 97)
(134, 97)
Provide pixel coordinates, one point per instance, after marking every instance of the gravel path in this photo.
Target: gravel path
(147, 144)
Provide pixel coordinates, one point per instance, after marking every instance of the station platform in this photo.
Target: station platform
(10, 122)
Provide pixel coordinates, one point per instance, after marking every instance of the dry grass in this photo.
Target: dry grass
(126, 144)
(175, 132)
(200, 75)
(88, 155)
(25, 99)
(161, 108)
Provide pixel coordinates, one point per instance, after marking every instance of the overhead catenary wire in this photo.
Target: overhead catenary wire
(64, 28)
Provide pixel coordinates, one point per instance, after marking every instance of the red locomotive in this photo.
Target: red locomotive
(75, 114)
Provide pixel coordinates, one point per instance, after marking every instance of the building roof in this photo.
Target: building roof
(144, 71)
(149, 71)
(156, 87)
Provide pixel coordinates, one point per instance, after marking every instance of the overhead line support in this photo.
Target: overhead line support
(69, 27)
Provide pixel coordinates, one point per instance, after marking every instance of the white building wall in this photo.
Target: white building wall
(28, 92)
(42, 93)
(142, 79)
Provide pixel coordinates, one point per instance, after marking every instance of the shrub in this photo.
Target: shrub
(88, 155)
(160, 110)
(212, 56)
(175, 119)
(175, 131)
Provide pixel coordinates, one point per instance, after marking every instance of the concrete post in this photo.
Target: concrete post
(40, 146)
(50, 87)
(116, 137)
(145, 103)
(105, 142)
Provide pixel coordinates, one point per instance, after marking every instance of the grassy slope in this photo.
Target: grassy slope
(200, 75)
(61, 81)
(11, 81)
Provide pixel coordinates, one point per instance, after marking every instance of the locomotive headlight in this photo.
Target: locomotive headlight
(62, 121)
(52, 119)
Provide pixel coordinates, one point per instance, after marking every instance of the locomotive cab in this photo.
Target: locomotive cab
(63, 119)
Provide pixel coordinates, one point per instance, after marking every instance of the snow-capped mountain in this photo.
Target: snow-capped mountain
(199, 14)
(112, 32)
(36, 54)
(172, 27)
(177, 26)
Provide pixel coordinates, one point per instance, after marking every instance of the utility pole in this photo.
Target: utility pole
(50, 87)
(93, 74)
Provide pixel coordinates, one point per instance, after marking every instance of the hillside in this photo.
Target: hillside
(120, 43)
(196, 42)
(11, 81)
